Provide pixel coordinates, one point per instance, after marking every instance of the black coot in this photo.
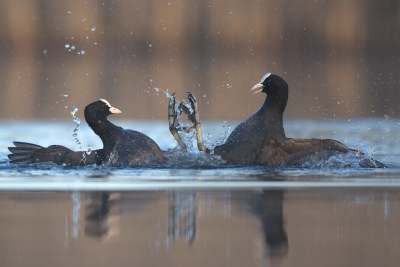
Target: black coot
(246, 142)
(261, 139)
(121, 147)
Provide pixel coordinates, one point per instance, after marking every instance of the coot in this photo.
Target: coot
(261, 139)
(121, 147)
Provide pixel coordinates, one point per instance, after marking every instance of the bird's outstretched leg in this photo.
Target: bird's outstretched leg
(174, 126)
(192, 113)
(194, 116)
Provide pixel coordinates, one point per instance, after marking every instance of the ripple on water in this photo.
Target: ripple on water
(198, 166)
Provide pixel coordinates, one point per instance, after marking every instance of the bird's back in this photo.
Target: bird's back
(133, 148)
(245, 142)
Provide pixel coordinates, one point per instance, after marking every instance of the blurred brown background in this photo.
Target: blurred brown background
(340, 58)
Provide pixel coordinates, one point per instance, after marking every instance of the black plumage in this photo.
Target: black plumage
(121, 147)
(261, 139)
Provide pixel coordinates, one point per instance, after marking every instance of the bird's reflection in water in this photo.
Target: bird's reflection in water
(182, 216)
(271, 215)
(102, 215)
(103, 211)
(267, 207)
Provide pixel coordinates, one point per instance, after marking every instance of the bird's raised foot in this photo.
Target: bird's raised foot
(195, 118)
(191, 110)
(188, 110)
(174, 125)
(193, 103)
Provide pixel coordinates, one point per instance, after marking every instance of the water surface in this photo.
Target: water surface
(193, 212)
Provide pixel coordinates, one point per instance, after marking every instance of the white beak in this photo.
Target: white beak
(112, 109)
(258, 88)
(115, 110)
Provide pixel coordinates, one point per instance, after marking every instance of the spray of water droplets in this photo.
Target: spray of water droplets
(72, 48)
(75, 131)
(222, 139)
(78, 122)
(89, 150)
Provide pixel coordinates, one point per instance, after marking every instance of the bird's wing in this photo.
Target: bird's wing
(26, 153)
(294, 152)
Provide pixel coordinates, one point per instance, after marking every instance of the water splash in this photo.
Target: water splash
(78, 122)
(360, 158)
(113, 159)
(207, 141)
(167, 94)
(192, 158)
(89, 150)
(222, 139)
(75, 131)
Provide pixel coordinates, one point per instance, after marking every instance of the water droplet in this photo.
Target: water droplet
(67, 46)
(82, 52)
(74, 110)
(65, 95)
(77, 120)
(89, 150)
(69, 12)
(150, 45)
(155, 88)
(72, 47)
(66, 106)
(93, 29)
(45, 51)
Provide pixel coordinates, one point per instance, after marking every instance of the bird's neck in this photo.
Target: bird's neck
(103, 128)
(276, 102)
(272, 111)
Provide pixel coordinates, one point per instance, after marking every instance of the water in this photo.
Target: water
(194, 212)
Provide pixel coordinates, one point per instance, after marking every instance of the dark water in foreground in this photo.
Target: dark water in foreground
(195, 227)
(196, 213)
